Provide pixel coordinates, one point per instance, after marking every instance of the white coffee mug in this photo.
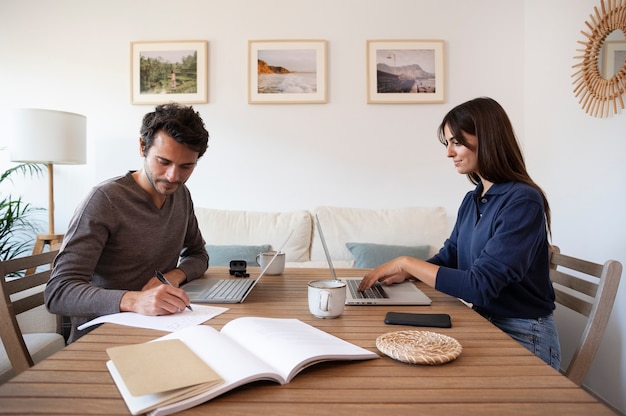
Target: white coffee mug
(277, 266)
(327, 298)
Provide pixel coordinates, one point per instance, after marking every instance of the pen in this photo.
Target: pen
(163, 280)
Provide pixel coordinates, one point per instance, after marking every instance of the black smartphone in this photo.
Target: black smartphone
(438, 320)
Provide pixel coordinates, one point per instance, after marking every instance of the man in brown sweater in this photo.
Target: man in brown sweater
(132, 225)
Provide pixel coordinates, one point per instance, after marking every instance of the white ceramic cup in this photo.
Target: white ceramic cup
(327, 298)
(277, 266)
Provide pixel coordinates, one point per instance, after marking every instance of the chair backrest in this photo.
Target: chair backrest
(589, 289)
(13, 301)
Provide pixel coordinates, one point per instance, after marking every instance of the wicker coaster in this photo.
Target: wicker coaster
(419, 347)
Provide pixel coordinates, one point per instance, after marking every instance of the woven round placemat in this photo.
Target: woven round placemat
(419, 347)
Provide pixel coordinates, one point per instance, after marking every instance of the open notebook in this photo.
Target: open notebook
(234, 290)
(397, 294)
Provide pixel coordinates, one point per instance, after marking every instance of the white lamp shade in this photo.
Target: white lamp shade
(47, 136)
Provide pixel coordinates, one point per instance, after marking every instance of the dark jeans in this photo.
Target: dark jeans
(539, 336)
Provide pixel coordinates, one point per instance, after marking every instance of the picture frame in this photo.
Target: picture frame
(614, 57)
(287, 71)
(405, 71)
(169, 71)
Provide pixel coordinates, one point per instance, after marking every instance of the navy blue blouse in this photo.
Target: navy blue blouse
(497, 256)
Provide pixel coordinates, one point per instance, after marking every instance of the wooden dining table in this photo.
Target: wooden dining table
(494, 375)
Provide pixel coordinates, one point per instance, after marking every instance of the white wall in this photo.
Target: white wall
(74, 55)
(577, 159)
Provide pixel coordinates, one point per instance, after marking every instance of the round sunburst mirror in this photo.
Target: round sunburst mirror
(601, 91)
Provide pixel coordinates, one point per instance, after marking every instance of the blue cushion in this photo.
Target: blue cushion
(221, 255)
(367, 255)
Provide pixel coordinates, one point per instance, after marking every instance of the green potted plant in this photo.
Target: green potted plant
(18, 222)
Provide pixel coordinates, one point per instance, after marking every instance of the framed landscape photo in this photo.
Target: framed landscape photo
(162, 72)
(614, 57)
(405, 71)
(286, 71)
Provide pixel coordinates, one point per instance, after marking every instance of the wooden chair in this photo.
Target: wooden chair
(29, 332)
(589, 289)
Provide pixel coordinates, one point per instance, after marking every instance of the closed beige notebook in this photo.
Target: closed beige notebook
(161, 366)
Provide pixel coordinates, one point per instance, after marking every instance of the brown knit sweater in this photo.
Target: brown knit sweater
(116, 239)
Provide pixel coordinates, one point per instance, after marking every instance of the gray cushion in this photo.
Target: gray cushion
(368, 255)
(221, 255)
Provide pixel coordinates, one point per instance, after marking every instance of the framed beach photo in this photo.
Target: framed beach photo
(405, 71)
(286, 71)
(614, 57)
(162, 72)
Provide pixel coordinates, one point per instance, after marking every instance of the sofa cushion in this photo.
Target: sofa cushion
(367, 255)
(225, 227)
(411, 226)
(321, 265)
(221, 255)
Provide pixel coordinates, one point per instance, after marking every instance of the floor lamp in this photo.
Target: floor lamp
(50, 137)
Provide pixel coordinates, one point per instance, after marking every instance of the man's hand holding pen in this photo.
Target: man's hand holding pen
(156, 298)
(163, 280)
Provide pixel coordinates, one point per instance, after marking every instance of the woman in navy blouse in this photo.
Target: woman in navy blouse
(497, 257)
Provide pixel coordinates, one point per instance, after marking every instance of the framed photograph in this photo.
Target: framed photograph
(614, 57)
(405, 71)
(286, 71)
(162, 72)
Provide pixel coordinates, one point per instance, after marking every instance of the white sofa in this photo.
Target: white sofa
(406, 227)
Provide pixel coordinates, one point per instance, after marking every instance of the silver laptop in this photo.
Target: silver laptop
(404, 293)
(234, 290)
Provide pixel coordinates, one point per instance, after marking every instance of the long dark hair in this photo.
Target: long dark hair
(500, 158)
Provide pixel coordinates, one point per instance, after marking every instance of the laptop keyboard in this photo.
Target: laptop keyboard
(374, 292)
(229, 289)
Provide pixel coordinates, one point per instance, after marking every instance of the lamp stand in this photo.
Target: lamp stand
(51, 238)
(50, 198)
(50, 137)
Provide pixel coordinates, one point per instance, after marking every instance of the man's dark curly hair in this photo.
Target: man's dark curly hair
(182, 123)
